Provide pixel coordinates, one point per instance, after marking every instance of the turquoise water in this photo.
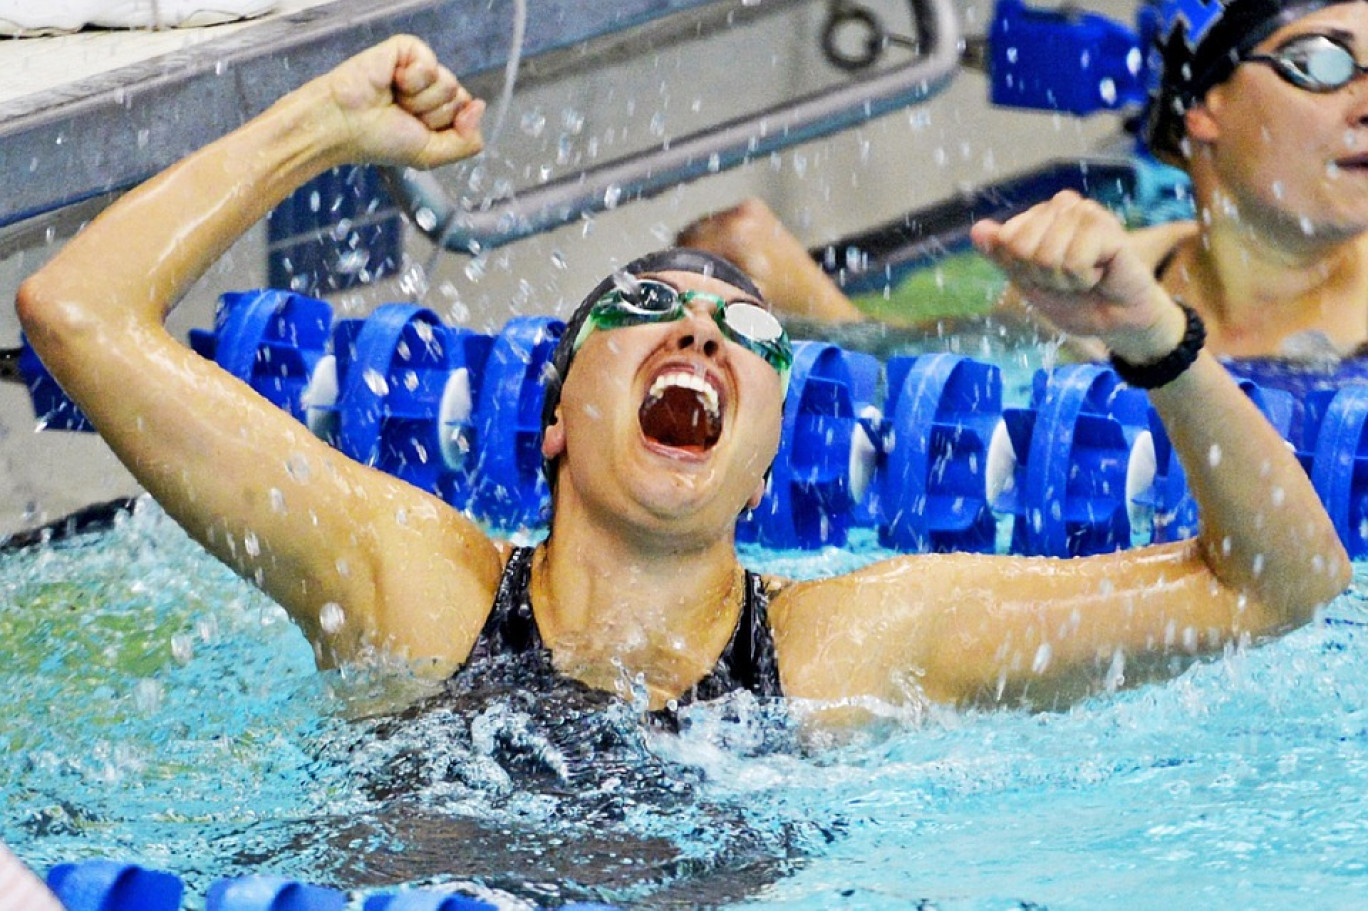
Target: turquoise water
(163, 712)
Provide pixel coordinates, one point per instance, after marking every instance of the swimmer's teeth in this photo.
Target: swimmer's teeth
(688, 381)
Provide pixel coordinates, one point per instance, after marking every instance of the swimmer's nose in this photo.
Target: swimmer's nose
(698, 330)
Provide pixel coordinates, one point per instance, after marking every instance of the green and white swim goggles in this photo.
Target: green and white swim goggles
(1315, 63)
(646, 300)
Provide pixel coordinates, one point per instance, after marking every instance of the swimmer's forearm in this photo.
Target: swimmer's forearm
(1264, 532)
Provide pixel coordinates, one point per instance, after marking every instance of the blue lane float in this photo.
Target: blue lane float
(1340, 464)
(935, 463)
(271, 340)
(106, 885)
(399, 396)
(507, 487)
(1172, 507)
(271, 893)
(1077, 463)
(826, 456)
(1063, 60)
(932, 489)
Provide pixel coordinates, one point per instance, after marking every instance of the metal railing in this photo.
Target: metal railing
(643, 174)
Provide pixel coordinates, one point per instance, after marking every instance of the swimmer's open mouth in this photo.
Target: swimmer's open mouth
(682, 410)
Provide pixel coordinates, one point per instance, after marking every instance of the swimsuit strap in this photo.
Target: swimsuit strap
(510, 627)
(748, 662)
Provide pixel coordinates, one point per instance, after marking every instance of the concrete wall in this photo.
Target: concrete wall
(823, 189)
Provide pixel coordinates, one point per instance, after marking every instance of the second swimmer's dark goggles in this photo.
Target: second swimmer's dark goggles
(1316, 63)
(646, 300)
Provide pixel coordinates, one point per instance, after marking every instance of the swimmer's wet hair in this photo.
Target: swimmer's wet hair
(675, 259)
(1197, 45)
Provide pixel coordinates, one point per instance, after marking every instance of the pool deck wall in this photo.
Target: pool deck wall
(823, 189)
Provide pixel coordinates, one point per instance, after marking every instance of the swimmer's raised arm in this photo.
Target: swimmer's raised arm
(750, 235)
(359, 559)
(962, 628)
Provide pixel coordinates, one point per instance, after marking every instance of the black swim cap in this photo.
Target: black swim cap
(1197, 45)
(676, 259)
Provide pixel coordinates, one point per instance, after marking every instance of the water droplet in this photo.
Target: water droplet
(331, 618)
(1214, 455)
(297, 467)
(533, 123)
(251, 544)
(1278, 189)
(1041, 661)
(1106, 88)
(147, 696)
(277, 501)
(375, 381)
(182, 648)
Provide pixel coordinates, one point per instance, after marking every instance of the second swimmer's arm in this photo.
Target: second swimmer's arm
(966, 628)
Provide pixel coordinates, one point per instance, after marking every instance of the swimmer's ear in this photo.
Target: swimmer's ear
(553, 438)
(758, 494)
(1202, 119)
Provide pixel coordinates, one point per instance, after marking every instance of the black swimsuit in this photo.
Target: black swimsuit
(747, 663)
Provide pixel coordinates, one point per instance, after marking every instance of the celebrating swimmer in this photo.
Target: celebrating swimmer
(1261, 102)
(663, 415)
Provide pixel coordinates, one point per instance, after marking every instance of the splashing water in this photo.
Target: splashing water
(184, 726)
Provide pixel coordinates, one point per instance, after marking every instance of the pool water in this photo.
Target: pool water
(163, 712)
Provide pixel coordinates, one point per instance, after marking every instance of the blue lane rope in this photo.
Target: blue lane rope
(106, 885)
(1085, 468)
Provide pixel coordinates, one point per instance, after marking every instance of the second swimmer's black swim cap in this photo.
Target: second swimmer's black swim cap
(1197, 45)
(676, 259)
